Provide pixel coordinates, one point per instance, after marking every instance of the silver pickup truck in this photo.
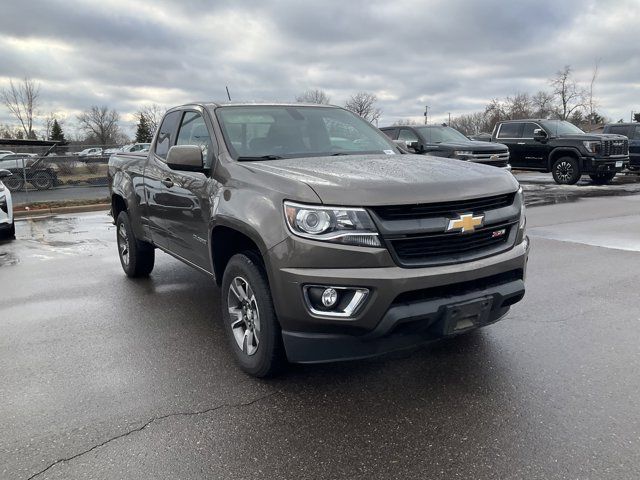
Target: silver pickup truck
(326, 240)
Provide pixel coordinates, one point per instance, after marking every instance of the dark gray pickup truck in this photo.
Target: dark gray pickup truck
(326, 240)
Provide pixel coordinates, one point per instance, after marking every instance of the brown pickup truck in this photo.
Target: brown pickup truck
(327, 241)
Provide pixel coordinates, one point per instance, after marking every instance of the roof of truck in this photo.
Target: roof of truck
(213, 104)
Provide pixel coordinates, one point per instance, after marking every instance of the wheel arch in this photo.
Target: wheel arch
(230, 238)
(563, 152)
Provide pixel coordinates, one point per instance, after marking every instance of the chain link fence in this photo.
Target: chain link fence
(60, 174)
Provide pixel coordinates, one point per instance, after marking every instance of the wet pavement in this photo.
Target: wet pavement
(104, 377)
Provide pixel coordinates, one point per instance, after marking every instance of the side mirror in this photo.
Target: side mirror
(185, 157)
(5, 173)
(416, 147)
(539, 135)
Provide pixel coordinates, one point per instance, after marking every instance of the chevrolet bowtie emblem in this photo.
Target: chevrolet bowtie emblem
(466, 223)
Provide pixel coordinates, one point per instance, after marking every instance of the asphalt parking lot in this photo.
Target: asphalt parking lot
(104, 377)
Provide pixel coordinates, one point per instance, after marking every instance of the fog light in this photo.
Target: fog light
(329, 297)
(334, 301)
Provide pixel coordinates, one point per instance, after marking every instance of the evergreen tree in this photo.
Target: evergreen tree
(56, 132)
(143, 132)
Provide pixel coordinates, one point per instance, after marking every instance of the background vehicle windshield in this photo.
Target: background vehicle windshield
(442, 135)
(252, 132)
(560, 127)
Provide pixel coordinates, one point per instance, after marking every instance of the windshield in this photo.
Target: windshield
(255, 132)
(561, 127)
(442, 135)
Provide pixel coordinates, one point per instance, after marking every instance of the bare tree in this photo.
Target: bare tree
(566, 90)
(21, 99)
(592, 102)
(314, 96)
(364, 104)
(494, 112)
(101, 124)
(471, 123)
(518, 106)
(542, 104)
(153, 114)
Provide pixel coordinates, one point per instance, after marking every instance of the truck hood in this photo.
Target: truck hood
(474, 145)
(373, 180)
(592, 137)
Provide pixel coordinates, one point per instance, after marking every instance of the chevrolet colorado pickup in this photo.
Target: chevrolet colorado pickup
(326, 240)
(563, 149)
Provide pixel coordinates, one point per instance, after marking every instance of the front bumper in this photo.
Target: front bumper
(405, 307)
(605, 164)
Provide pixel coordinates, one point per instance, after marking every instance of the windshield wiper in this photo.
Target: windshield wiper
(263, 157)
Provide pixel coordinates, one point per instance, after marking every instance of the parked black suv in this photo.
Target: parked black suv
(563, 149)
(632, 132)
(443, 141)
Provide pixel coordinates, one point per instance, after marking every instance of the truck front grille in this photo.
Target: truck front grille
(443, 209)
(615, 147)
(451, 247)
(498, 158)
(416, 235)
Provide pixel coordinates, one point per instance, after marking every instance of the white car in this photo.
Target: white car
(135, 147)
(4, 153)
(90, 152)
(7, 225)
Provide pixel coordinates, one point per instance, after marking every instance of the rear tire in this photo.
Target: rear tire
(249, 318)
(566, 171)
(602, 178)
(42, 180)
(136, 256)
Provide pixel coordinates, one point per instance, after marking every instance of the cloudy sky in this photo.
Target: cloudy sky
(452, 55)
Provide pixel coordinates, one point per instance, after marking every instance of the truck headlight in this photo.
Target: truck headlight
(593, 146)
(349, 226)
(462, 153)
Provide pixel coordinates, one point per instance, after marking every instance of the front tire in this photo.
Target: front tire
(602, 178)
(9, 233)
(566, 171)
(136, 256)
(249, 318)
(14, 183)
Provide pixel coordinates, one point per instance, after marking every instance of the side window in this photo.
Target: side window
(636, 133)
(510, 130)
(391, 133)
(166, 135)
(194, 131)
(527, 132)
(619, 130)
(408, 136)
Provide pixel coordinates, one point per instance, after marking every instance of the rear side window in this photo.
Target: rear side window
(636, 133)
(619, 130)
(391, 133)
(408, 136)
(510, 130)
(527, 131)
(194, 131)
(166, 135)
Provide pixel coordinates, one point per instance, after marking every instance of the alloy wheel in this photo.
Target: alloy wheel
(245, 315)
(123, 243)
(564, 171)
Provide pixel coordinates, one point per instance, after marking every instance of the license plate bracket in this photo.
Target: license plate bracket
(459, 317)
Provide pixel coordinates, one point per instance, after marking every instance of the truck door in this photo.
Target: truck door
(156, 172)
(634, 146)
(534, 153)
(510, 134)
(186, 196)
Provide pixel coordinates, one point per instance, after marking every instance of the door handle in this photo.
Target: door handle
(522, 143)
(167, 182)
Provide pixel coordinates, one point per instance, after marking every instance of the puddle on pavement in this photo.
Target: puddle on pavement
(7, 258)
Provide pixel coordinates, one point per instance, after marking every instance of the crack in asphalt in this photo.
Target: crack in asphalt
(153, 420)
